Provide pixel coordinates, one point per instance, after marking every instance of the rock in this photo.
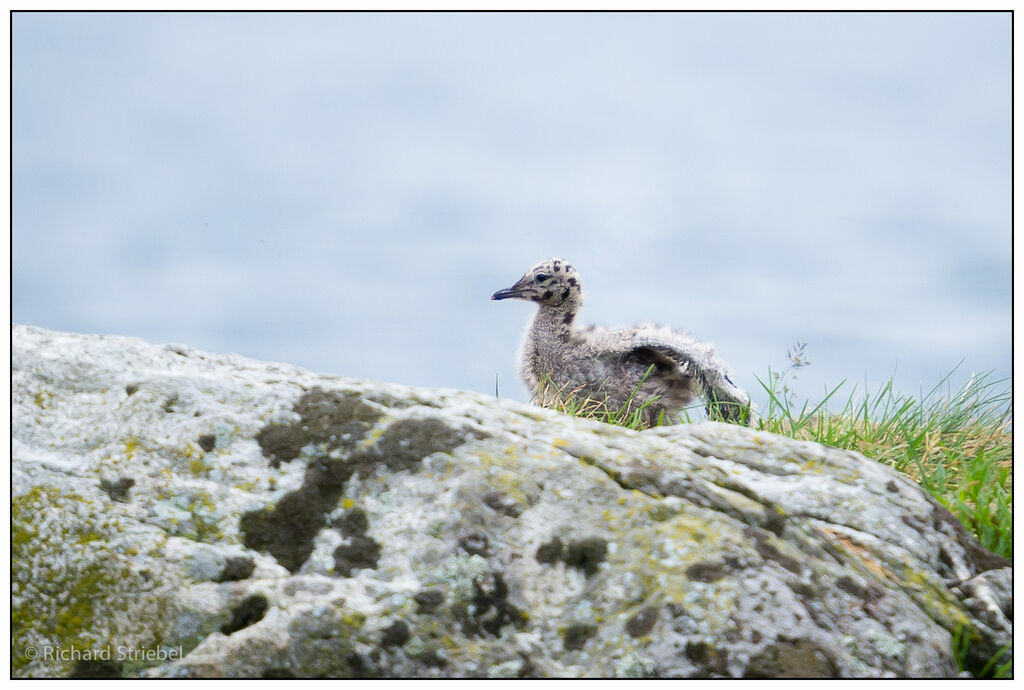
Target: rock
(183, 514)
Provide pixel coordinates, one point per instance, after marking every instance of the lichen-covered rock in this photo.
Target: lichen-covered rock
(183, 514)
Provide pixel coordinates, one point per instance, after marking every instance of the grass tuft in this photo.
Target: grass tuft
(630, 415)
(957, 446)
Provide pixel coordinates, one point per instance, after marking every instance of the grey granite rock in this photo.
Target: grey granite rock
(184, 514)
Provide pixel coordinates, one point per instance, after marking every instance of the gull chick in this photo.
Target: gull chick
(653, 368)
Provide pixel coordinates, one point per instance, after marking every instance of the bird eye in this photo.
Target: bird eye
(541, 277)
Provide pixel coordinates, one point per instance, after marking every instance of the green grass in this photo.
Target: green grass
(996, 667)
(956, 445)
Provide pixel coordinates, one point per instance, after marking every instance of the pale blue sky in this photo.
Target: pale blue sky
(345, 191)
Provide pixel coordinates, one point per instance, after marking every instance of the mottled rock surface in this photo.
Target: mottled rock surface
(185, 514)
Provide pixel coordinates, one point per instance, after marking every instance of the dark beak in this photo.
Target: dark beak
(507, 293)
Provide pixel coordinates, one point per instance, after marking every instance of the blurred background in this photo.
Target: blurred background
(345, 191)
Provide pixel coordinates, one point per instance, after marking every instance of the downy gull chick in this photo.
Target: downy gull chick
(559, 359)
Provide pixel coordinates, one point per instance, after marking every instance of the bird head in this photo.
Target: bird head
(553, 282)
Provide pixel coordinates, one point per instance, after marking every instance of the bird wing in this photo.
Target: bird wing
(662, 365)
(661, 358)
(667, 349)
(660, 346)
